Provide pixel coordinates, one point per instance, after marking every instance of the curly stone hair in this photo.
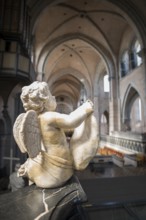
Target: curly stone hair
(37, 97)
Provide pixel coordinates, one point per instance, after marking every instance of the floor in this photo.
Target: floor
(108, 170)
(114, 193)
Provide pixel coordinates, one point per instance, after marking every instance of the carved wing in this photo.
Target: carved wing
(17, 133)
(84, 143)
(27, 134)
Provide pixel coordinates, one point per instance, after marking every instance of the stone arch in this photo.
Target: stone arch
(13, 98)
(132, 16)
(99, 86)
(98, 78)
(131, 96)
(106, 56)
(73, 72)
(104, 123)
(14, 109)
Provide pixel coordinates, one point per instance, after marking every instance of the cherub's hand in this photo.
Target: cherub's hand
(89, 106)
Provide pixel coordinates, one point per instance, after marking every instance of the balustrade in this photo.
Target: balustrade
(124, 143)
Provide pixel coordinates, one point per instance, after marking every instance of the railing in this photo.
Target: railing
(131, 143)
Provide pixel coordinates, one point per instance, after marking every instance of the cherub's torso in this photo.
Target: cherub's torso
(54, 139)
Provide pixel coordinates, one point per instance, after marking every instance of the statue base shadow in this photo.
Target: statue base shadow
(34, 203)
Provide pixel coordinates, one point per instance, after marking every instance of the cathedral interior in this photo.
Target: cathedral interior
(83, 49)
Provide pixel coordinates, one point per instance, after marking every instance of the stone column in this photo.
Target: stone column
(96, 111)
(114, 106)
(142, 54)
(40, 77)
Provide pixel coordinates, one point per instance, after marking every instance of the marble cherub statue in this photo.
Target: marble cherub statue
(41, 133)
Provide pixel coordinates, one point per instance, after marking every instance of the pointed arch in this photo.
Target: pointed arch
(132, 110)
(135, 58)
(102, 51)
(104, 123)
(14, 100)
(72, 73)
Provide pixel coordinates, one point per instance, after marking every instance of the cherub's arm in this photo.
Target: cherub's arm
(75, 118)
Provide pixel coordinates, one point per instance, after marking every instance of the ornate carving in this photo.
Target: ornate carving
(41, 133)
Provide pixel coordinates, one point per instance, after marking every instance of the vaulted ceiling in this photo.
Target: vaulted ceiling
(75, 41)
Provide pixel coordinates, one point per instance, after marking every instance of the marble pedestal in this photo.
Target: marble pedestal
(33, 203)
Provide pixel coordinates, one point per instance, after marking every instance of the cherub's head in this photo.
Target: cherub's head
(37, 97)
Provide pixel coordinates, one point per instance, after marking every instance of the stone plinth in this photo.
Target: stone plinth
(33, 203)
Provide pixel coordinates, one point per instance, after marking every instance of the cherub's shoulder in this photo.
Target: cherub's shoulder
(48, 115)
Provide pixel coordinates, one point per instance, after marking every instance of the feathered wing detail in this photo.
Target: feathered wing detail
(17, 132)
(84, 143)
(27, 133)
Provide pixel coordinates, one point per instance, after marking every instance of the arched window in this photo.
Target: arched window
(125, 64)
(135, 58)
(138, 49)
(106, 83)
